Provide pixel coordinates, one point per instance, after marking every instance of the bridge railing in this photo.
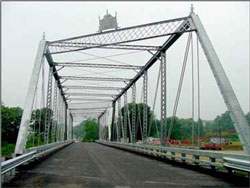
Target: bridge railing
(8, 168)
(196, 157)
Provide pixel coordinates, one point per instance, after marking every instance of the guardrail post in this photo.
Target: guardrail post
(172, 155)
(212, 160)
(196, 157)
(183, 156)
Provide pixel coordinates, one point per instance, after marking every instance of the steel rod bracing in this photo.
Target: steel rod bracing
(179, 31)
(124, 35)
(93, 65)
(179, 88)
(91, 87)
(95, 78)
(63, 47)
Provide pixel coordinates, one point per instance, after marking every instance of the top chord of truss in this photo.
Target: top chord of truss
(119, 36)
(93, 65)
(63, 47)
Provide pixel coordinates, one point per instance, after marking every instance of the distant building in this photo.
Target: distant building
(108, 22)
(217, 140)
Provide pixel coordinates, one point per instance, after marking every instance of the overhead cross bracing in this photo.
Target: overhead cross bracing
(95, 78)
(119, 36)
(68, 80)
(93, 65)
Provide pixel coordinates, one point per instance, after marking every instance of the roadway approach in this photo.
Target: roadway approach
(94, 165)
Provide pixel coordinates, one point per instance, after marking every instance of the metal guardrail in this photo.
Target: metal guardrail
(198, 157)
(12, 163)
(30, 154)
(237, 164)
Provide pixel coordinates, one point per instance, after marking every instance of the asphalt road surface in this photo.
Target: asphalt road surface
(95, 165)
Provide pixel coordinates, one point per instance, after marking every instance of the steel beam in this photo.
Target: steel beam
(92, 87)
(125, 118)
(123, 35)
(24, 126)
(178, 32)
(120, 125)
(63, 47)
(133, 112)
(163, 99)
(240, 123)
(95, 78)
(145, 107)
(48, 107)
(101, 66)
(54, 122)
(113, 122)
(85, 99)
(91, 94)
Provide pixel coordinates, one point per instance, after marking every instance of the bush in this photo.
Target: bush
(7, 150)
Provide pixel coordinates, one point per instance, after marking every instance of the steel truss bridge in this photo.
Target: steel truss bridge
(65, 102)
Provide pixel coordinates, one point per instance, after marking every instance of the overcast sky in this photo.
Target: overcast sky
(227, 24)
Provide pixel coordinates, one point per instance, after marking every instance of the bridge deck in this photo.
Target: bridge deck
(94, 165)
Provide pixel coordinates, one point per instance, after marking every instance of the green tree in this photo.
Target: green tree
(11, 118)
(91, 131)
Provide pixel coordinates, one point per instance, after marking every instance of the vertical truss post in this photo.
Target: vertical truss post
(65, 122)
(133, 112)
(54, 122)
(58, 124)
(99, 127)
(120, 124)
(48, 107)
(145, 109)
(71, 120)
(68, 125)
(163, 98)
(125, 116)
(240, 123)
(113, 122)
(24, 126)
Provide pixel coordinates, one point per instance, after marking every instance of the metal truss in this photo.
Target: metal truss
(61, 47)
(54, 123)
(145, 107)
(125, 117)
(133, 112)
(236, 113)
(92, 99)
(100, 108)
(95, 78)
(91, 94)
(163, 99)
(119, 36)
(48, 106)
(120, 124)
(94, 65)
(183, 27)
(92, 87)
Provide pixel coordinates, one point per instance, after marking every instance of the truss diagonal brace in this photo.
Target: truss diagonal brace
(94, 78)
(26, 116)
(240, 123)
(178, 32)
(92, 87)
(123, 35)
(93, 65)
